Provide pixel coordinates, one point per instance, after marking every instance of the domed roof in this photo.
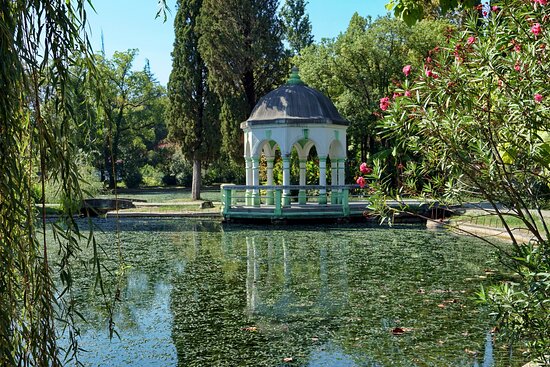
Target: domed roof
(294, 103)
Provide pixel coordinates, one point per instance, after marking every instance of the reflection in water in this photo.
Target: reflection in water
(198, 295)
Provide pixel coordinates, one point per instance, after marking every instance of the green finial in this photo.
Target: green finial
(295, 77)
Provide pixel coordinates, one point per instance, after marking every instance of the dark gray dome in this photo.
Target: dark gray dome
(295, 103)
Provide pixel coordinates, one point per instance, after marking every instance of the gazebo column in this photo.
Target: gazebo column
(302, 195)
(323, 180)
(286, 180)
(270, 161)
(248, 175)
(334, 193)
(341, 173)
(256, 181)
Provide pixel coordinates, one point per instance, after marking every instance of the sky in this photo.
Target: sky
(127, 24)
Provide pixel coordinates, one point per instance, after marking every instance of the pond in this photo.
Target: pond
(195, 293)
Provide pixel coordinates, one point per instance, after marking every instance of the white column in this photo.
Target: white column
(255, 180)
(334, 193)
(270, 180)
(341, 171)
(248, 175)
(322, 179)
(302, 198)
(286, 180)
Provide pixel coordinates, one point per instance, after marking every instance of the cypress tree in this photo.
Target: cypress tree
(241, 42)
(193, 107)
(296, 25)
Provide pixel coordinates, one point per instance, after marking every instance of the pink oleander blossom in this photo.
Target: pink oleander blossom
(384, 103)
(364, 168)
(471, 40)
(407, 93)
(538, 98)
(536, 29)
(406, 70)
(540, 2)
(361, 181)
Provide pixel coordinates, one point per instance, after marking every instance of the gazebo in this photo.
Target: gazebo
(292, 117)
(295, 116)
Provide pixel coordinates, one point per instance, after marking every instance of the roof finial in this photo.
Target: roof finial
(295, 77)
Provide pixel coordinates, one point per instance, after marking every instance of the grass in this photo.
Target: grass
(489, 219)
(164, 195)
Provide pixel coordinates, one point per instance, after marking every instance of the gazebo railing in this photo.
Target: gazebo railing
(279, 197)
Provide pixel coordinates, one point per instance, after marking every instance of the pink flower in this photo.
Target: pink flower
(428, 59)
(517, 66)
(396, 95)
(471, 40)
(538, 98)
(495, 8)
(364, 168)
(431, 74)
(536, 29)
(361, 181)
(541, 2)
(384, 103)
(406, 70)
(407, 93)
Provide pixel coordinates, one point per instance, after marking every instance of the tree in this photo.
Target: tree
(241, 45)
(39, 40)
(361, 66)
(478, 113)
(126, 100)
(411, 11)
(296, 25)
(193, 110)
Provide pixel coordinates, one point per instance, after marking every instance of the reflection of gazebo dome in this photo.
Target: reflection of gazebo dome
(295, 116)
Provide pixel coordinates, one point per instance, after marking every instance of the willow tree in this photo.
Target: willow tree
(193, 109)
(38, 41)
(241, 43)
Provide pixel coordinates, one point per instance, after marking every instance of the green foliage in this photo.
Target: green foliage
(39, 41)
(241, 44)
(194, 108)
(478, 116)
(361, 66)
(296, 25)
(411, 11)
(151, 176)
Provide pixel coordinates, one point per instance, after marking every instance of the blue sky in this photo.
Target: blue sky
(131, 24)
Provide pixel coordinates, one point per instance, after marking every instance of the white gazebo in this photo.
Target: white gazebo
(294, 116)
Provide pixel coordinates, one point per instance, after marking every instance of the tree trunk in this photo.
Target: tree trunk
(196, 186)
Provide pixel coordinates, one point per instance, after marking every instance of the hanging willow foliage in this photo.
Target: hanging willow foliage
(39, 41)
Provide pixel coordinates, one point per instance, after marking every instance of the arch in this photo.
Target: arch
(303, 146)
(336, 150)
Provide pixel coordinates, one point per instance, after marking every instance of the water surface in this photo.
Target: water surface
(195, 293)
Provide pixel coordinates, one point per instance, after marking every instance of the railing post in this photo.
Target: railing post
(345, 201)
(302, 196)
(334, 196)
(226, 196)
(278, 196)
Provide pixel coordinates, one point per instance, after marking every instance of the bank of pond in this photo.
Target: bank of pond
(197, 293)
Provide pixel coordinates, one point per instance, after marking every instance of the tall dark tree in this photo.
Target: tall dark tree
(296, 25)
(241, 43)
(193, 109)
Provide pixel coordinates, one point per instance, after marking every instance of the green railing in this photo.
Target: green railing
(275, 201)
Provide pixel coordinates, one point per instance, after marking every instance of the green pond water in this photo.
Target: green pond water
(198, 294)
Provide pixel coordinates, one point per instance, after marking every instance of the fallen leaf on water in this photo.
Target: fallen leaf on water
(288, 359)
(401, 330)
(252, 329)
(315, 339)
(469, 351)
(441, 305)
(454, 300)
